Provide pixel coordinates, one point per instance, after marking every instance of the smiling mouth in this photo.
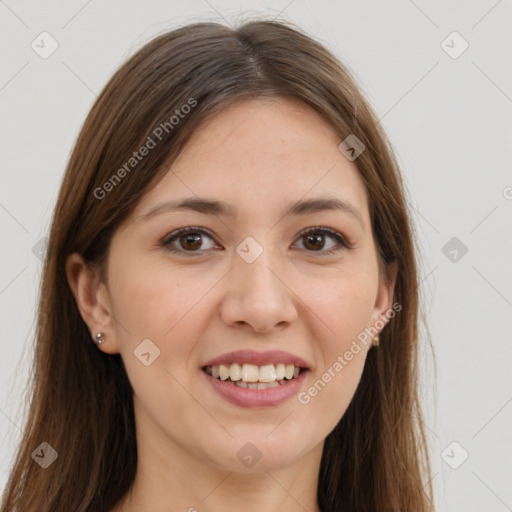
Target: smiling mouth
(251, 376)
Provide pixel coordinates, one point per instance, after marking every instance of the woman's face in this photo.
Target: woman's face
(255, 275)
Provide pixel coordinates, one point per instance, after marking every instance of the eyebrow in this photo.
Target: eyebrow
(214, 207)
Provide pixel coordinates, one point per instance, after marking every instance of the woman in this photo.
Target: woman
(229, 309)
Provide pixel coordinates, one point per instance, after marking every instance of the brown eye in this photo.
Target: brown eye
(192, 241)
(187, 240)
(314, 240)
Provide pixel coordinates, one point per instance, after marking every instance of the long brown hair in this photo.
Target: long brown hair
(376, 459)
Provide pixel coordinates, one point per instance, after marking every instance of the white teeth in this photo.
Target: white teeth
(250, 373)
(223, 372)
(289, 371)
(235, 372)
(267, 373)
(265, 385)
(280, 371)
(256, 385)
(253, 374)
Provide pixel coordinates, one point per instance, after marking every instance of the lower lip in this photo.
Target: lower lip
(255, 398)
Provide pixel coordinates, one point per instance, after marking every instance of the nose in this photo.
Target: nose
(258, 295)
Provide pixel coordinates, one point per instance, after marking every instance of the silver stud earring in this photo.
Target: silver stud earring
(98, 339)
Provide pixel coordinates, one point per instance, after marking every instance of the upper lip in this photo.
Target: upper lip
(258, 358)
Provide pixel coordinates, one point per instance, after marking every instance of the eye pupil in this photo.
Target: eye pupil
(191, 238)
(317, 241)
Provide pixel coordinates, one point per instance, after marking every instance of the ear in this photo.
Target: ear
(91, 296)
(384, 299)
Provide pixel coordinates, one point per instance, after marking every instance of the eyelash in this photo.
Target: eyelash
(169, 239)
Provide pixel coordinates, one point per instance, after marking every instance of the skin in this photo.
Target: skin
(258, 156)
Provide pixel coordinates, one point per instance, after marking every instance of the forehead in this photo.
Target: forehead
(260, 152)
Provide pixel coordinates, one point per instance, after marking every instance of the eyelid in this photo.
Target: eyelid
(342, 240)
(166, 241)
(343, 243)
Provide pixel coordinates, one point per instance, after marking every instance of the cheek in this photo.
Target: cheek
(344, 307)
(170, 308)
(344, 304)
(154, 302)
(166, 308)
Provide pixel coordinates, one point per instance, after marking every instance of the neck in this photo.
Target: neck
(175, 479)
(272, 491)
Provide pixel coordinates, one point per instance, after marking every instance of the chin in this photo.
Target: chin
(256, 451)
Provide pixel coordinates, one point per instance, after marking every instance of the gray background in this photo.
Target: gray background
(449, 119)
